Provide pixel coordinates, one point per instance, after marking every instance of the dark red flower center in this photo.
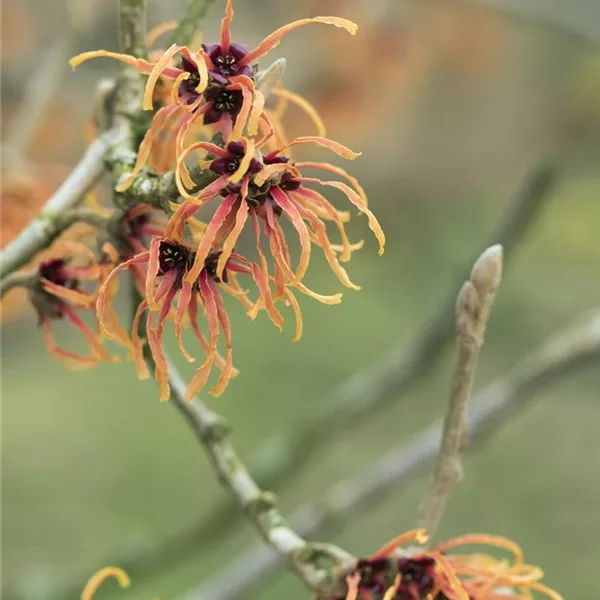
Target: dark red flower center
(210, 265)
(223, 101)
(54, 271)
(418, 576)
(229, 164)
(137, 223)
(226, 64)
(172, 256)
(374, 575)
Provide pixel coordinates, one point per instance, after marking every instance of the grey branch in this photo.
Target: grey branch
(564, 354)
(213, 434)
(473, 308)
(391, 375)
(190, 22)
(387, 379)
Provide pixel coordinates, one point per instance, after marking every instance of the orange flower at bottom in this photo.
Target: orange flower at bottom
(394, 573)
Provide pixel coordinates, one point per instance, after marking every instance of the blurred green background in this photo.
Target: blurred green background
(452, 104)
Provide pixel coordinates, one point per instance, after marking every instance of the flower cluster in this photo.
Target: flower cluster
(209, 113)
(411, 573)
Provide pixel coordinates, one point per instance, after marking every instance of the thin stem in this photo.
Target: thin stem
(397, 371)
(565, 354)
(213, 432)
(130, 89)
(473, 308)
(388, 379)
(190, 22)
(17, 279)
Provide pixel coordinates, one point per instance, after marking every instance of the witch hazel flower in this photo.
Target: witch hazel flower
(168, 294)
(215, 82)
(59, 294)
(411, 573)
(262, 189)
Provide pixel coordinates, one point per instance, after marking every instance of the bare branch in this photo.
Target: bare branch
(190, 22)
(473, 307)
(391, 375)
(18, 279)
(564, 354)
(386, 380)
(213, 432)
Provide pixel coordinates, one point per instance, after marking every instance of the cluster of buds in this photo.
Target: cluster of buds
(404, 570)
(208, 106)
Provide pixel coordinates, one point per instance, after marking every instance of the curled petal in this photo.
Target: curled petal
(242, 118)
(456, 585)
(161, 65)
(265, 293)
(210, 191)
(261, 277)
(278, 247)
(177, 85)
(70, 360)
(139, 64)
(74, 296)
(240, 220)
(138, 350)
(159, 30)
(183, 304)
(200, 59)
(391, 591)
(193, 314)
(321, 207)
(486, 540)
(210, 308)
(94, 583)
(340, 172)
(105, 287)
(544, 589)
(227, 371)
(91, 338)
(352, 581)
(146, 145)
(209, 238)
(270, 170)
(414, 535)
(226, 27)
(292, 212)
(336, 147)
(323, 241)
(241, 171)
(333, 299)
(293, 302)
(258, 107)
(305, 105)
(357, 201)
(161, 373)
(152, 272)
(273, 40)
